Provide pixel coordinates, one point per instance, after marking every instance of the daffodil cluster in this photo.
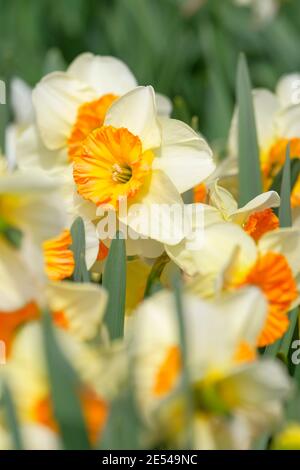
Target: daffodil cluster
(209, 284)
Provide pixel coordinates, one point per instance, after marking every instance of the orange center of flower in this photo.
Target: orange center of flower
(10, 321)
(94, 409)
(168, 372)
(112, 166)
(59, 259)
(273, 275)
(260, 223)
(90, 116)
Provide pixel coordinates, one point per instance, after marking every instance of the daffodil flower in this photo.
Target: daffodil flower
(142, 159)
(228, 258)
(277, 121)
(236, 396)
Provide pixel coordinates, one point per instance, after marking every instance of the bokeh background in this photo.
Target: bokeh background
(186, 49)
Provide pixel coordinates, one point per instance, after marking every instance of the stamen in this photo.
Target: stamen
(121, 174)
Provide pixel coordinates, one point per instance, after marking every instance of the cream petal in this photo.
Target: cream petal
(136, 111)
(285, 241)
(214, 251)
(222, 200)
(32, 153)
(288, 90)
(56, 99)
(184, 156)
(157, 212)
(83, 304)
(246, 311)
(144, 247)
(104, 74)
(259, 203)
(287, 122)
(91, 243)
(17, 287)
(163, 104)
(266, 106)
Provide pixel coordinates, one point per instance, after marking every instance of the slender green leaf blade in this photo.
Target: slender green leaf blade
(285, 213)
(11, 417)
(189, 402)
(250, 181)
(78, 247)
(114, 280)
(65, 386)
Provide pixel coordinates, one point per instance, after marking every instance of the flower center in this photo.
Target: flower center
(90, 116)
(121, 174)
(260, 223)
(111, 166)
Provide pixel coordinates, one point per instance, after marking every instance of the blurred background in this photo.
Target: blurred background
(186, 49)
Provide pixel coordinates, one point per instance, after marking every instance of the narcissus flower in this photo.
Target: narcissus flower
(76, 307)
(144, 159)
(277, 121)
(26, 373)
(221, 369)
(256, 217)
(229, 258)
(69, 105)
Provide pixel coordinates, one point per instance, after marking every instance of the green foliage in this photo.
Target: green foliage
(114, 280)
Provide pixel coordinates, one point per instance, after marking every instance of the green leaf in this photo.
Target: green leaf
(155, 273)
(11, 417)
(185, 381)
(285, 213)
(114, 280)
(295, 170)
(122, 431)
(250, 182)
(78, 247)
(65, 387)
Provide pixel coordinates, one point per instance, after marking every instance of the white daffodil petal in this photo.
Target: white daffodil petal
(17, 287)
(259, 203)
(222, 200)
(136, 111)
(83, 304)
(104, 74)
(32, 153)
(246, 310)
(158, 213)
(21, 101)
(143, 247)
(266, 106)
(215, 249)
(287, 122)
(56, 100)
(285, 241)
(91, 243)
(163, 104)
(184, 156)
(288, 90)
